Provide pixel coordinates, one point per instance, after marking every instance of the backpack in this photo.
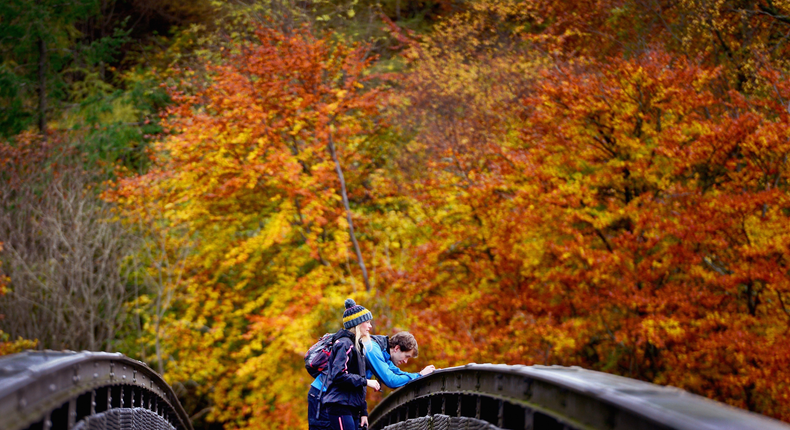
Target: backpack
(316, 359)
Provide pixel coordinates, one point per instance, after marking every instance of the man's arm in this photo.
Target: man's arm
(386, 370)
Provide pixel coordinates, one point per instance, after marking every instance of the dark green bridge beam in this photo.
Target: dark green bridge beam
(494, 396)
(48, 390)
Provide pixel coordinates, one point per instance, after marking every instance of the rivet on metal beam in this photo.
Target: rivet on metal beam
(527, 388)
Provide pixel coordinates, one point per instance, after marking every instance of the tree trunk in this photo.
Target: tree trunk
(102, 34)
(344, 194)
(42, 86)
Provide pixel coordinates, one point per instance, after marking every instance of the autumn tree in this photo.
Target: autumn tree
(250, 177)
(460, 102)
(617, 214)
(666, 199)
(735, 35)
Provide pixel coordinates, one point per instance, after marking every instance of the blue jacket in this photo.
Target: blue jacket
(345, 381)
(379, 363)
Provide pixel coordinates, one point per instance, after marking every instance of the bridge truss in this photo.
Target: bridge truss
(495, 397)
(47, 390)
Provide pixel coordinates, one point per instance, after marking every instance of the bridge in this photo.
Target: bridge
(494, 397)
(46, 390)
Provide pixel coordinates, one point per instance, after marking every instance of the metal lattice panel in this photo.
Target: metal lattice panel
(467, 423)
(124, 419)
(442, 422)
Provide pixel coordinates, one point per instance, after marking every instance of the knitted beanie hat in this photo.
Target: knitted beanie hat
(355, 314)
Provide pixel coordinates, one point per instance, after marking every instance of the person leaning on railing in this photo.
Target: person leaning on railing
(383, 356)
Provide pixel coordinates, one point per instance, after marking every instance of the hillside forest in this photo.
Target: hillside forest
(201, 184)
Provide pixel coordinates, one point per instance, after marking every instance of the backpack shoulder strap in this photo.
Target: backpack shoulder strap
(382, 341)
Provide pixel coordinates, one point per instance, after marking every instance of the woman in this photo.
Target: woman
(344, 398)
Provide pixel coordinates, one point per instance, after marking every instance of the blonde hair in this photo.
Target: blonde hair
(359, 338)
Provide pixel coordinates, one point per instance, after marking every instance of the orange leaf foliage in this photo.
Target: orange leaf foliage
(247, 184)
(616, 215)
(569, 183)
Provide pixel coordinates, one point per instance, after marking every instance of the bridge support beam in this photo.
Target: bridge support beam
(48, 390)
(495, 397)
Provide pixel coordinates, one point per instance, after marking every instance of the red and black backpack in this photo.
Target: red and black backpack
(316, 359)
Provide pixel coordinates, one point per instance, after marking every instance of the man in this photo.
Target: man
(383, 356)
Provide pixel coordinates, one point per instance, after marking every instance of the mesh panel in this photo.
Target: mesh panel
(397, 426)
(442, 422)
(124, 419)
(422, 423)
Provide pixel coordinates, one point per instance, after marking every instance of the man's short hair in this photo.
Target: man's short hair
(405, 341)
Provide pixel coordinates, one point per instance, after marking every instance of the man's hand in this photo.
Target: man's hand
(428, 369)
(374, 384)
(363, 421)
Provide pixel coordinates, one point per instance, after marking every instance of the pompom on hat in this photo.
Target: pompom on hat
(355, 314)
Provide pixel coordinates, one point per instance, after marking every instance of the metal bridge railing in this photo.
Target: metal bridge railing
(493, 397)
(49, 390)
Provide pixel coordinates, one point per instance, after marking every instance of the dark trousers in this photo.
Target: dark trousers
(313, 405)
(342, 417)
(343, 422)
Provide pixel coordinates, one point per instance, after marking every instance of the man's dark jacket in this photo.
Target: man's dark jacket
(382, 341)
